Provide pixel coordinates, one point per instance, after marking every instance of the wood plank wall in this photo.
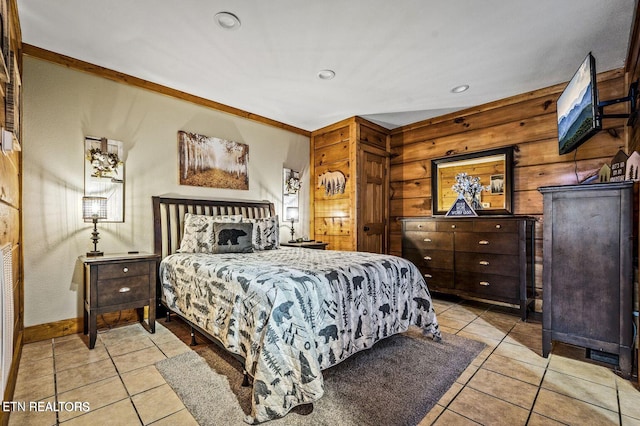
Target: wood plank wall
(528, 122)
(333, 216)
(10, 198)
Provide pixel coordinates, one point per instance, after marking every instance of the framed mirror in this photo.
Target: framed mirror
(494, 170)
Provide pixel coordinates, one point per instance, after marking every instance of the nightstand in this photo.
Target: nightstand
(317, 245)
(114, 282)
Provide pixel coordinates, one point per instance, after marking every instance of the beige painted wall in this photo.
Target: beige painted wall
(61, 107)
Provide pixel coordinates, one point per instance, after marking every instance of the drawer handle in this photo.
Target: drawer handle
(453, 226)
(125, 270)
(419, 226)
(427, 240)
(427, 258)
(498, 226)
(428, 276)
(483, 242)
(484, 263)
(124, 289)
(485, 283)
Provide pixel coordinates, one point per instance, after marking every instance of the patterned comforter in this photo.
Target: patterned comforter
(293, 312)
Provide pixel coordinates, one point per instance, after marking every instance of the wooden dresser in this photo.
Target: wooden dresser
(488, 257)
(588, 269)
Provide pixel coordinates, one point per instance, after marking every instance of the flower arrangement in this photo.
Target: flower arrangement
(293, 185)
(469, 187)
(105, 164)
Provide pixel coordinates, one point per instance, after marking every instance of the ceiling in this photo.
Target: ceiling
(395, 61)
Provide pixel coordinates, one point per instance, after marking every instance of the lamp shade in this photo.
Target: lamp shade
(94, 207)
(292, 214)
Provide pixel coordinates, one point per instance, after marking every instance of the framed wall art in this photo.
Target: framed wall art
(104, 174)
(213, 162)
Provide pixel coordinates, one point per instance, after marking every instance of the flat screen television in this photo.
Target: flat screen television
(577, 108)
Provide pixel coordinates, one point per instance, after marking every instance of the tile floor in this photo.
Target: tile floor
(509, 383)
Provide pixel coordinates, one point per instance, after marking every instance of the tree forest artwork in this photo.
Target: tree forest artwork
(212, 162)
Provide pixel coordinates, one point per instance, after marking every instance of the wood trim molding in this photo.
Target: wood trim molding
(50, 330)
(77, 64)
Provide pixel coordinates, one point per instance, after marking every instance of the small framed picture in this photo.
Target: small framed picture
(497, 184)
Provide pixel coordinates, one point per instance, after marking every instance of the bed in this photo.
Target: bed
(287, 313)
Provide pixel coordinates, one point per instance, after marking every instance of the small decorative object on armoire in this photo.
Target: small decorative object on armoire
(633, 164)
(94, 208)
(619, 167)
(588, 269)
(292, 215)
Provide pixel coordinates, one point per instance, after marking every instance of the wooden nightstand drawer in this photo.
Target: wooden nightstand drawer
(123, 290)
(122, 270)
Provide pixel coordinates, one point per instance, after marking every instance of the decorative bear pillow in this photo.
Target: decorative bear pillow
(266, 233)
(198, 234)
(232, 237)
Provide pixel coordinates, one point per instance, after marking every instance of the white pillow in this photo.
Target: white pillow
(266, 233)
(198, 236)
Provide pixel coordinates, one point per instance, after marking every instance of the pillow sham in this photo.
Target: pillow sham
(266, 233)
(198, 236)
(228, 218)
(232, 237)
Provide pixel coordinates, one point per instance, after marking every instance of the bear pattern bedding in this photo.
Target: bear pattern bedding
(293, 312)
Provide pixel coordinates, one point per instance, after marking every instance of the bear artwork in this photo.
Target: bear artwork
(230, 235)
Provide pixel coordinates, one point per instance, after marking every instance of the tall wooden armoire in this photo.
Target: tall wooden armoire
(588, 268)
(350, 202)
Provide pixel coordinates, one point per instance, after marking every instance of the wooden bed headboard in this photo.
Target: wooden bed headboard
(169, 210)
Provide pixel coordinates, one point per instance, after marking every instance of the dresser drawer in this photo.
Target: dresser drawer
(495, 225)
(490, 286)
(430, 258)
(488, 263)
(454, 225)
(122, 290)
(414, 225)
(438, 278)
(486, 242)
(428, 240)
(123, 270)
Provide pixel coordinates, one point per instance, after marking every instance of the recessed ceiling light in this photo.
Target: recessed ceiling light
(326, 74)
(460, 89)
(227, 20)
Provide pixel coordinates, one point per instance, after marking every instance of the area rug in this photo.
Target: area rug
(396, 382)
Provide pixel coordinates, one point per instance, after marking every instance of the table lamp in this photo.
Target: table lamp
(292, 215)
(94, 208)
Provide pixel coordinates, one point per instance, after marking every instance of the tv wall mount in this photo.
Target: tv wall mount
(632, 98)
